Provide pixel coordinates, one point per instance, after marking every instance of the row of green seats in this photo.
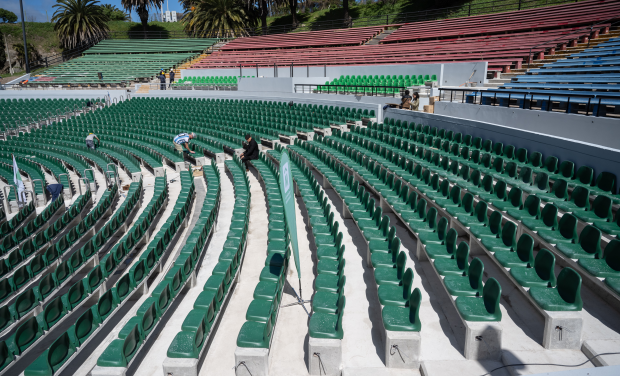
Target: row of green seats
(261, 316)
(7, 228)
(210, 80)
(34, 328)
(73, 340)
(196, 328)
(132, 336)
(401, 305)
(27, 232)
(329, 301)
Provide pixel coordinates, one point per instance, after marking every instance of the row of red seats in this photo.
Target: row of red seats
(501, 51)
(338, 37)
(553, 17)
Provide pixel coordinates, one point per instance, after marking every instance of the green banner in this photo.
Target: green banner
(288, 197)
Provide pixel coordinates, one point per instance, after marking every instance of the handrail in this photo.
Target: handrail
(43, 187)
(595, 99)
(590, 28)
(374, 90)
(10, 186)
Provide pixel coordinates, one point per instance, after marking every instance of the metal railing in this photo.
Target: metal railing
(544, 101)
(374, 91)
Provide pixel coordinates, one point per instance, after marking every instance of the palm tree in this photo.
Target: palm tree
(78, 21)
(142, 8)
(222, 18)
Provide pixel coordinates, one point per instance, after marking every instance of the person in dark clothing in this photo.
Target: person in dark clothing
(250, 153)
(162, 81)
(171, 76)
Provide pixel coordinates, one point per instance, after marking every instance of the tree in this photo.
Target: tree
(222, 18)
(345, 7)
(113, 13)
(7, 16)
(33, 54)
(142, 8)
(78, 21)
(293, 6)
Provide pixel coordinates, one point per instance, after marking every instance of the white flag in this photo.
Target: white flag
(17, 179)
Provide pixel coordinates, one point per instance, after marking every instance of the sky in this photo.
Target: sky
(37, 8)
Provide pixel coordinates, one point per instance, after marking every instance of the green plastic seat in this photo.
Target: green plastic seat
(445, 250)
(541, 274)
(485, 308)
(566, 296)
(566, 231)
(608, 266)
(404, 319)
(327, 325)
(548, 219)
(397, 295)
(458, 265)
(506, 242)
(393, 275)
(470, 285)
(120, 351)
(589, 245)
(256, 334)
(85, 325)
(523, 256)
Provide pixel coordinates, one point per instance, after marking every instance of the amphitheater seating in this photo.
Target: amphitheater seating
(365, 83)
(214, 81)
(133, 46)
(70, 343)
(261, 316)
(547, 18)
(21, 112)
(122, 62)
(589, 241)
(329, 301)
(503, 39)
(313, 38)
(591, 73)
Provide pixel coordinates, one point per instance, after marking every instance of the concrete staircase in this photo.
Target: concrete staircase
(189, 63)
(504, 78)
(379, 37)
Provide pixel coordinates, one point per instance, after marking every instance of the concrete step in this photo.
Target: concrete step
(499, 81)
(377, 39)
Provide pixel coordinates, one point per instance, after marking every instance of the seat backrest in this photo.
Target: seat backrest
(509, 234)
(515, 196)
(568, 226)
(431, 218)
(612, 254)
(495, 222)
(500, 190)
(491, 294)
(487, 183)
(462, 257)
(549, 216)
(607, 182)
(407, 283)
(468, 202)
(602, 207)
(525, 249)
(560, 188)
(401, 260)
(567, 169)
(551, 164)
(476, 271)
(544, 264)
(590, 240)
(498, 164)
(532, 205)
(569, 287)
(584, 175)
(451, 241)
(581, 197)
